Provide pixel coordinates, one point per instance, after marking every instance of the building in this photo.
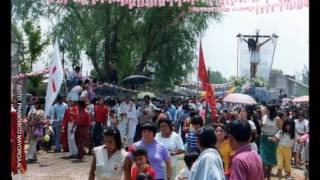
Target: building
(288, 83)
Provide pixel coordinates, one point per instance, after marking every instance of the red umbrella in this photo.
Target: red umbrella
(239, 98)
(301, 99)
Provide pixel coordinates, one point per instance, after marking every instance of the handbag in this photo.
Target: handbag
(38, 132)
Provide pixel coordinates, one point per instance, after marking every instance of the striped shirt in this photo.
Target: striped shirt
(192, 138)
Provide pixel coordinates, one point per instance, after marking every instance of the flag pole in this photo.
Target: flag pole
(198, 83)
(238, 58)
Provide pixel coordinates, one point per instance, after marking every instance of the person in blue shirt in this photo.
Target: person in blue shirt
(181, 117)
(196, 124)
(58, 111)
(171, 111)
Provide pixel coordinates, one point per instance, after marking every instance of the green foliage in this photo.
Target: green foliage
(304, 75)
(129, 40)
(276, 71)
(259, 82)
(217, 78)
(94, 74)
(256, 82)
(33, 83)
(237, 81)
(35, 45)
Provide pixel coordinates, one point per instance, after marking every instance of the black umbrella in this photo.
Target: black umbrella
(135, 79)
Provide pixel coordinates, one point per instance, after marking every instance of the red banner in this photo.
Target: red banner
(206, 85)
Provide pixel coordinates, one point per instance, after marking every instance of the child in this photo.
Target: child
(286, 138)
(113, 121)
(140, 157)
(189, 159)
(196, 124)
(109, 159)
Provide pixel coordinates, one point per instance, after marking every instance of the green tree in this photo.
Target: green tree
(30, 39)
(34, 45)
(133, 41)
(305, 75)
(217, 78)
(276, 71)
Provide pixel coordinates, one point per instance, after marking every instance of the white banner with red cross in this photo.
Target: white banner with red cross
(56, 75)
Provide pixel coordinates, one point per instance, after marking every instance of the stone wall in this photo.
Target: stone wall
(288, 83)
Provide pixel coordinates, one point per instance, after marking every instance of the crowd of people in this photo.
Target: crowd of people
(133, 139)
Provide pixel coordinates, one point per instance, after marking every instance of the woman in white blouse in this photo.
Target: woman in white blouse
(109, 159)
(171, 140)
(270, 126)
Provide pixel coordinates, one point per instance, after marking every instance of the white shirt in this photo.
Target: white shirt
(112, 168)
(77, 89)
(208, 166)
(184, 174)
(173, 143)
(84, 94)
(285, 139)
(252, 125)
(254, 146)
(129, 109)
(269, 127)
(301, 127)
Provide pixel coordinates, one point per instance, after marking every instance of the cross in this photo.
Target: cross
(53, 84)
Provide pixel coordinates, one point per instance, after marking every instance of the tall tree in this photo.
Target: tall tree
(305, 75)
(217, 78)
(35, 44)
(129, 40)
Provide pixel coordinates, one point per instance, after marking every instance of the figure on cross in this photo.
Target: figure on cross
(254, 50)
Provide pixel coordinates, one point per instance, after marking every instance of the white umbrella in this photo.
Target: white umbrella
(301, 99)
(239, 98)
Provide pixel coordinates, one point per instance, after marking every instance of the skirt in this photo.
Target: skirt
(255, 57)
(268, 151)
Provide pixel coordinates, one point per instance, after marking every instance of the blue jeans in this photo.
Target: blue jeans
(56, 125)
(97, 134)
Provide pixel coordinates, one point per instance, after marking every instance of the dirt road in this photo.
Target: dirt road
(53, 166)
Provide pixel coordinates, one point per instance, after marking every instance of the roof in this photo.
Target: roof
(297, 82)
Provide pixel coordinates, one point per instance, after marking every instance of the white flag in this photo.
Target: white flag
(55, 78)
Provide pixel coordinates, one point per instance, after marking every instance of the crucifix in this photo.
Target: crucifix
(254, 49)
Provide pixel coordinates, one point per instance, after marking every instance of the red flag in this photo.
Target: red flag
(206, 85)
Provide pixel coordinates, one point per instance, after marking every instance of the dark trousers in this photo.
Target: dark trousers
(178, 125)
(97, 134)
(137, 135)
(57, 126)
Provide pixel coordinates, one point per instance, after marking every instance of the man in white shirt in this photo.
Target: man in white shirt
(75, 74)
(302, 127)
(76, 91)
(127, 114)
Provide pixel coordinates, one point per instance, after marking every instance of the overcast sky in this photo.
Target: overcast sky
(292, 49)
(220, 43)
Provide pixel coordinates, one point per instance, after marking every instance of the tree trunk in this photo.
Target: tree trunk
(144, 59)
(92, 53)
